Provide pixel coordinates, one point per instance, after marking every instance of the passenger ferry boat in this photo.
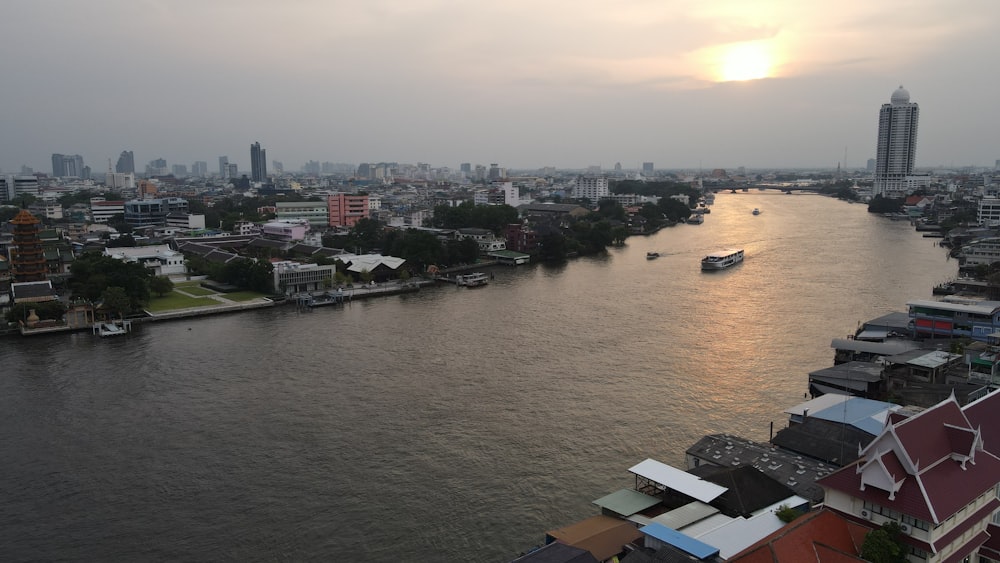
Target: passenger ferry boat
(722, 259)
(475, 279)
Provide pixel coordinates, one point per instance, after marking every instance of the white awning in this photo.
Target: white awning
(677, 480)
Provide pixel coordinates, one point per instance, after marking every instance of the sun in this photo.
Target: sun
(745, 61)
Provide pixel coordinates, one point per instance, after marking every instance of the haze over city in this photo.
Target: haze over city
(557, 83)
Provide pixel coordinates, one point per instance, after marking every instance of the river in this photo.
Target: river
(451, 424)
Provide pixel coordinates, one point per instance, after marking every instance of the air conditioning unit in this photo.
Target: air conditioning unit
(904, 528)
(865, 514)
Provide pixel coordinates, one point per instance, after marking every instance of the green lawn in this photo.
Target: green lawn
(197, 290)
(243, 295)
(174, 300)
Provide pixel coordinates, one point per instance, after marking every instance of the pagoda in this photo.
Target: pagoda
(27, 256)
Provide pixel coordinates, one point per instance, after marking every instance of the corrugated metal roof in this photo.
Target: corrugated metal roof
(867, 414)
(686, 515)
(888, 348)
(817, 404)
(707, 525)
(741, 533)
(934, 359)
(677, 480)
(626, 502)
(687, 544)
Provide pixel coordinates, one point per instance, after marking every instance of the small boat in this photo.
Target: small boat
(722, 259)
(652, 255)
(475, 279)
(756, 211)
(695, 219)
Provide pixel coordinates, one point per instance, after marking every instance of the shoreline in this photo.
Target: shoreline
(349, 294)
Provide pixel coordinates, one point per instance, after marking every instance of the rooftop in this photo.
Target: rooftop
(796, 471)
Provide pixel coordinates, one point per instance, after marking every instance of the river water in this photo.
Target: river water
(448, 425)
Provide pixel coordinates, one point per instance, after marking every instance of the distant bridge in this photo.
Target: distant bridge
(784, 187)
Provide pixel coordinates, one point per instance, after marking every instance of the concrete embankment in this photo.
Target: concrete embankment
(227, 306)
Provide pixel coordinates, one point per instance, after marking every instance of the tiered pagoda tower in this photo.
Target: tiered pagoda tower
(27, 256)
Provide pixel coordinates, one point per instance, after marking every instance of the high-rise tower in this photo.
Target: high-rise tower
(126, 163)
(897, 145)
(258, 163)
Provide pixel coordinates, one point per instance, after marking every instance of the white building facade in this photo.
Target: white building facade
(159, 258)
(594, 188)
(897, 145)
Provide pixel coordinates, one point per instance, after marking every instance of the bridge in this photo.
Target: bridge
(787, 187)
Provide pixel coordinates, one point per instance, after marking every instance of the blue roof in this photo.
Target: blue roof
(859, 413)
(684, 543)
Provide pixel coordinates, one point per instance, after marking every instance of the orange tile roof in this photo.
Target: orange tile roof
(822, 536)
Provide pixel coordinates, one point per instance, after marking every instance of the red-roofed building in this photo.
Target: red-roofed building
(931, 474)
(822, 536)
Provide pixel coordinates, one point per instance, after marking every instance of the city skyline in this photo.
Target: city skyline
(677, 83)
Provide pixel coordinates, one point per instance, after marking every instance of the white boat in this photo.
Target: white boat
(722, 259)
(756, 211)
(695, 219)
(475, 279)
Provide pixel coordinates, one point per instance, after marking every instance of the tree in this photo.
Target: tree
(122, 241)
(883, 545)
(92, 273)
(619, 234)
(611, 209)
(673, 209)
(161, 285)
(552, 247)
(116, 300)
(786, 513)
(419, 248)
(118, 223)
(880, 204)
(252, 274)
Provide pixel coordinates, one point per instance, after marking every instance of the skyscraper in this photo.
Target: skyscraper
(126, 163)
(258, 163)
(897, 145)
(64, 165)
(224, 166)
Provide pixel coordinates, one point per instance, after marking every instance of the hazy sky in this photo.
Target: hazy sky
(566, 83)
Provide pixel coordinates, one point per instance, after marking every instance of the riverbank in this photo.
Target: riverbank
(225, 305)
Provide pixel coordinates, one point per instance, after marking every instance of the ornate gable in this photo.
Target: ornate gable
(883, 471)
(964, 442)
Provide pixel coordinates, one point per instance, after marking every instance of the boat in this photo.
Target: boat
(652, 255)
(722, 259)
(695, 219)
(756, 211)
(475, 279)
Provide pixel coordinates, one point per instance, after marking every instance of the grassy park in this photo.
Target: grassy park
(194, 295)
